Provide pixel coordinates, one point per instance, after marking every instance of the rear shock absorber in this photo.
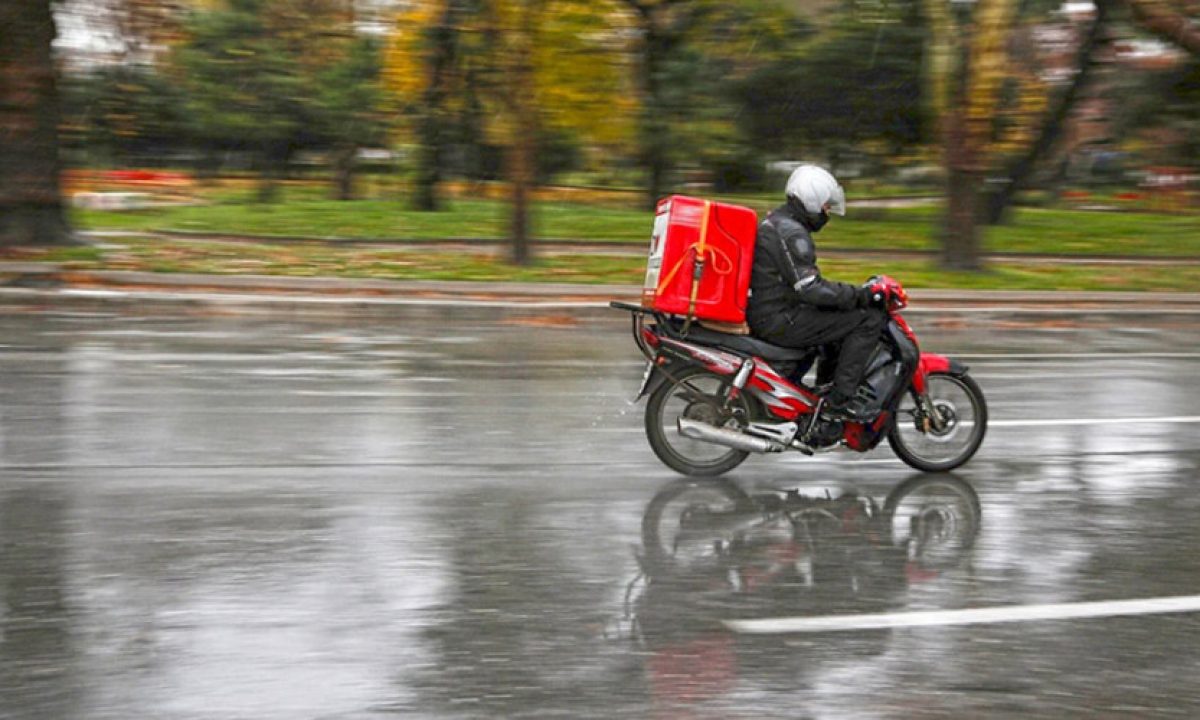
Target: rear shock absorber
(739, 382)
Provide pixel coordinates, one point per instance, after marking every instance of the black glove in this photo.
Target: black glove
(877, 296)
(868, 298)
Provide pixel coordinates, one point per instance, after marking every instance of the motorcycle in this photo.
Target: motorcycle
(716, 398)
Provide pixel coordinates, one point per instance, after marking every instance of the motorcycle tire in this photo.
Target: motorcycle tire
(681, 454)
(669, 514)
(935, 519)
(939, 452)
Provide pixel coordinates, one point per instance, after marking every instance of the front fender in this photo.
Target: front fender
(931, 363)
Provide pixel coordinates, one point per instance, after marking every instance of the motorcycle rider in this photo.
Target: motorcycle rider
(792, 305)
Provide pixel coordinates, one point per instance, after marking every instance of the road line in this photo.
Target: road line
(1176, 420)
(973, 616)
(1116, 374)
(1032, 422)
(1074, 356)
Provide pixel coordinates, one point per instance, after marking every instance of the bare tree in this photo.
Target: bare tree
(1176, 21)
(1018, 172)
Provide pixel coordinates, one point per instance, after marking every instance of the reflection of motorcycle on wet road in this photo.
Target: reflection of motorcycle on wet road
(691, 526)
(713, 552)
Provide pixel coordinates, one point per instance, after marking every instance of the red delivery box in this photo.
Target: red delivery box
(700, 258)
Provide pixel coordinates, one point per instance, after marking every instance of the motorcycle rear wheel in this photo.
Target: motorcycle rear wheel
(682, 528)
(961, 401)
(696, 394)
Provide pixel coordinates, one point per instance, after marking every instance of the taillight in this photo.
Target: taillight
(650, 337)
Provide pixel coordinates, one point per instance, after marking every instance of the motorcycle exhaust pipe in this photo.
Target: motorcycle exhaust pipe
(726, 437)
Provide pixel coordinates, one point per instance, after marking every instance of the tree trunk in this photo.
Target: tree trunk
(656, 162)
(1017, 176)
(519, 176)
(31, 211)
(268, 183)
(343, 172)
(429, 162)
(443, 50)
(275, 157)
(964, 176)
(522, 151)
(653, 130)
(975, 96)
(960, 245)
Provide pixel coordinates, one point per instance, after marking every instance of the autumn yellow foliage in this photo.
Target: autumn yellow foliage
(581, 66)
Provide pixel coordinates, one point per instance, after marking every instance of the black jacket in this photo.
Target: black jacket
(785, 277)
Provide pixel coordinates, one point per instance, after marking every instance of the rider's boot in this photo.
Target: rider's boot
(839, 406)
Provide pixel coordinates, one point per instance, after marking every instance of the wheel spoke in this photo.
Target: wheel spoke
(697, 395)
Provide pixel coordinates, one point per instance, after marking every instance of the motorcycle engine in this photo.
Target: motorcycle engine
(826, 433)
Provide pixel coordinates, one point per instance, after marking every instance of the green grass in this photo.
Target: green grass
(369, 219)
(1115, 233)
(332, 260)
(919, 274)
(307, 214)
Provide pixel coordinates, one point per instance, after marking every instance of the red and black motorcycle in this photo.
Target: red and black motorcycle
(715, 398)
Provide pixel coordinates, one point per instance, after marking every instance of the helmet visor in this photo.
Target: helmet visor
(837, 201)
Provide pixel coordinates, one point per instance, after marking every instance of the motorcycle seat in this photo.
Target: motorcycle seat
(748, 345)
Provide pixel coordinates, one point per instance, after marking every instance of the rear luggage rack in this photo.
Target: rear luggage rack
(639, 323)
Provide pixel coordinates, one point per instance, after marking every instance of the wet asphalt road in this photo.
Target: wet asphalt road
(250, 519)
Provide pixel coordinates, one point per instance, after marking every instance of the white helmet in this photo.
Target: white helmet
(813, 186)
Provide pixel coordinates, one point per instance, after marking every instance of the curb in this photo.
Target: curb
(39, 287)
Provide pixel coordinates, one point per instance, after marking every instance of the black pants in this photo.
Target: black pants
(856, 332)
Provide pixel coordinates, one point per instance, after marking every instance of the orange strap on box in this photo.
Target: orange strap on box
(698, 269)
(714, 252)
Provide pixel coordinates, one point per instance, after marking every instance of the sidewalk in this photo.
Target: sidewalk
(34, 286)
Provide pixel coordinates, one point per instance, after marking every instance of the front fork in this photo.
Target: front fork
(931, 418)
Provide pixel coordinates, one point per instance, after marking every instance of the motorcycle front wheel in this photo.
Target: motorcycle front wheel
(934, 518)
(694, 394)
(959, 401)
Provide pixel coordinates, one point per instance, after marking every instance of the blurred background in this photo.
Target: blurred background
(983, 143)
(220, 504)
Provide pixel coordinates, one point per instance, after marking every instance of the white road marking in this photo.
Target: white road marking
(1033, 422)
(1052, 310)
(1024, 378)
(973, 616)
(1073, 356)
(1175, 420)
